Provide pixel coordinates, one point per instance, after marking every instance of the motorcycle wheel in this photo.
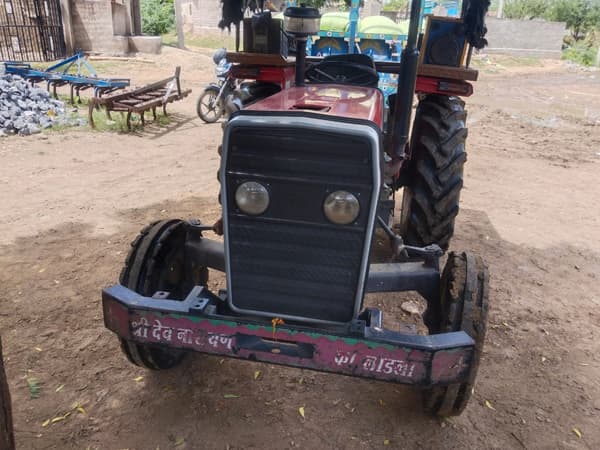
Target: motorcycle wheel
(207, 107)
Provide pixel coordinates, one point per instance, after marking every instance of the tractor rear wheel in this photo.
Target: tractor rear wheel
(435, 172)
(156, 262)
(463, 307)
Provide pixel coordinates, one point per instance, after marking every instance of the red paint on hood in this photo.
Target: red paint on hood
(329, 99)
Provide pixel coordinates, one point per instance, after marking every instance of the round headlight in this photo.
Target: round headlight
(252, 198)
(341, 207)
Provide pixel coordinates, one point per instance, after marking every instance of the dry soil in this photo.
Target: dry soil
(73, 200)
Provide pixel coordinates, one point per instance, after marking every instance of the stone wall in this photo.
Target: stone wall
(525, 37)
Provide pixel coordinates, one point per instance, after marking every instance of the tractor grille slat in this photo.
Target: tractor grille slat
(291, 261)
(315, 155)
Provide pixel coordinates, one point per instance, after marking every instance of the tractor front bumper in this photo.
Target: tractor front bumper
(361, 349)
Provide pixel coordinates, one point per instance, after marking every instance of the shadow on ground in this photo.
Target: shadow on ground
(538, 377)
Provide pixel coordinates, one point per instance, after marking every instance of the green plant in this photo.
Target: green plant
(581, 53)
(34, 387)
(118, 122)
(396, 5)
(158, 16)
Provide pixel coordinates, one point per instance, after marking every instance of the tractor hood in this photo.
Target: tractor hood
(352, 102)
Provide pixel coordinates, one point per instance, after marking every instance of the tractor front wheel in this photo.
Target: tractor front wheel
(156, 262)
(463, 307)
(434, 176)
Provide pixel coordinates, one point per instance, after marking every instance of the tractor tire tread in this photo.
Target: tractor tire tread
(137, 270)
(464, 304)
(435, 172)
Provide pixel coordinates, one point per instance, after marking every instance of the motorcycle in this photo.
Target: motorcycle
(229, 95)
(211, 104)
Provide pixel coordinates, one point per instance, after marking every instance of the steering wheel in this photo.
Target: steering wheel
(343, 72)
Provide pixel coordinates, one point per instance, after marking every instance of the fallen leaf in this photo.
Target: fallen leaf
(506, 324)
(381, 402)
(543, 359)
(577, 432)
(59, 388)
(42, 270)
(489, 405)
(256, 374)
(179, 442)
(140, 378)
(78, 407)
(301, 411)
(386, 442)
(37, 349)
(46, 423)
(230, 396)
(59, 418)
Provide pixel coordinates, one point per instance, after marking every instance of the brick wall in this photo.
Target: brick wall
(92, 24)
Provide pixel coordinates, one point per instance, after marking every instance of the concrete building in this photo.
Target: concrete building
(108, 26)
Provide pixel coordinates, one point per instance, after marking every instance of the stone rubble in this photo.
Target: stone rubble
(27, 109)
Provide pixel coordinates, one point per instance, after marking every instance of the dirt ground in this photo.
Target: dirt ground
(73, 200)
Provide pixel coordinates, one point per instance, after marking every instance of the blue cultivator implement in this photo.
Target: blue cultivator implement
(60, 74)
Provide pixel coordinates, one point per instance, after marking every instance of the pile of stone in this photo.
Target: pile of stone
(27, 109)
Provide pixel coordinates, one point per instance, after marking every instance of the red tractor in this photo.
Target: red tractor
(307, 176)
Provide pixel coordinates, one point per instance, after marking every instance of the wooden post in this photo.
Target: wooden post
(7, 436)
(179, 24)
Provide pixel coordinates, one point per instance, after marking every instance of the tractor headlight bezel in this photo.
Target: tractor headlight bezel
(252, 198)
(341, 207)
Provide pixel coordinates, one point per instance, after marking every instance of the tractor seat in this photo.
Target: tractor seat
(354, 69)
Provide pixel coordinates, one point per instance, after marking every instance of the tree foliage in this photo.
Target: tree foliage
(313, 3)
(581, 16)
(158, 16)
(396, 5)
(525, 9)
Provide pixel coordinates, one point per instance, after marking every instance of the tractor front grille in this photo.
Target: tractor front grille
(291, 262)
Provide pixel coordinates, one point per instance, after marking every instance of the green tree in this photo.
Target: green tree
(396, 5)
(525, 9)
(158, 16)
(581, 16)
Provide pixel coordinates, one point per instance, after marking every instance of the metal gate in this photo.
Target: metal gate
(31, 30)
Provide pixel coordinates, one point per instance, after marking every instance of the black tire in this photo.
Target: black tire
(463, 307)
(206, 107)
(435, 173)
(156, 263)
